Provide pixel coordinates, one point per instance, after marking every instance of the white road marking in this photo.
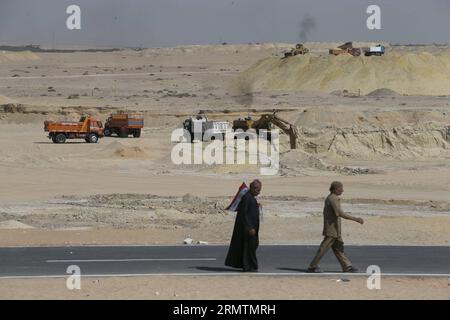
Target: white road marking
(112, 246)
(234, 274)
(81, 246)
(132, 260)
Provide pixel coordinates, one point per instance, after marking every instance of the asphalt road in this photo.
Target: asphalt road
(209, 260)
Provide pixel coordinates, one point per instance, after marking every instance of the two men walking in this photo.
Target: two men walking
(245, 239)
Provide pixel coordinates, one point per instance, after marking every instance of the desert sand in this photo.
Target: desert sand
(205, 288)
(379, 124)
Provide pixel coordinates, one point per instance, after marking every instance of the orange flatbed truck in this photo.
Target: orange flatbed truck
(87, 128)
(124, 124)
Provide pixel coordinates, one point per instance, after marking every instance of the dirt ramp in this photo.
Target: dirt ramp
(410, 74)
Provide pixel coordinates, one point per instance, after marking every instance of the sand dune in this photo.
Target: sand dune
(411, 73)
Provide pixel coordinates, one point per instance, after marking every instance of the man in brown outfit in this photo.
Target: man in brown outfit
(332, 214)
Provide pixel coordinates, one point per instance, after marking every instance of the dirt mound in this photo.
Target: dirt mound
(6, 56)
(383, 92)
(343, 132)
(411, 73)
(119, 151)
(401, 143)
(130, 153)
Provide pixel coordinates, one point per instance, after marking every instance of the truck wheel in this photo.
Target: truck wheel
(54, 139)
(137, 133)
(93, 138)
(107, 132)
(123, 133)
(60, 138)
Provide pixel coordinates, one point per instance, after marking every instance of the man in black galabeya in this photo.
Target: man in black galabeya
(245, 240)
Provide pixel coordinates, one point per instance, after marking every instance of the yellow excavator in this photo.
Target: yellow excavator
(299, 49)
(265, 122)
(346, 48)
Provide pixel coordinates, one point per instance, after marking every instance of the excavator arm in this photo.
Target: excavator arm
(285, 126)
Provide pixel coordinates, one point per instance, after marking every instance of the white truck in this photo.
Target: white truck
(377, 50)
(202, 129)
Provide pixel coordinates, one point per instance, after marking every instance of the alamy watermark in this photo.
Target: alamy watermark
(73, 22)
(374, 20)
(73, 282)
(374, 280)
(230, 147)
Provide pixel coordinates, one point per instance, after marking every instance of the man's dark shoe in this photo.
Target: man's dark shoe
(314, 270)
(351, 270)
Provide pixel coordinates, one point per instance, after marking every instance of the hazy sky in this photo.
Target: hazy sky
(156, 23)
